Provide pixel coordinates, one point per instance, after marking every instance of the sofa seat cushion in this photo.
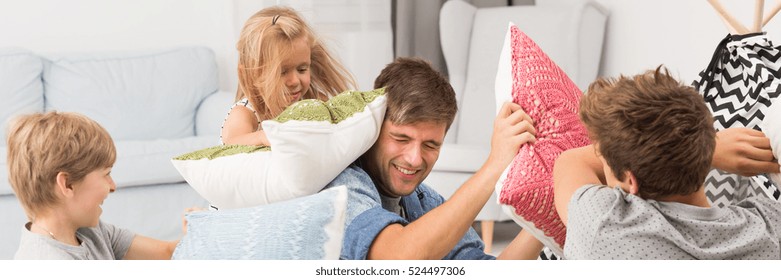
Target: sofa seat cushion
(138, 96)
(21, 90)
(138, 162)
(149, 162)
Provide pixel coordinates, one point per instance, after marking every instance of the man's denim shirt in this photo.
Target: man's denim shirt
(366, 218)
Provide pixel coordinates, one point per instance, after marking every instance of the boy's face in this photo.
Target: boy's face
(89, 194)
(404, 155)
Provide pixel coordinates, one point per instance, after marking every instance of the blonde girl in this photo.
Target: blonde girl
(281, 61)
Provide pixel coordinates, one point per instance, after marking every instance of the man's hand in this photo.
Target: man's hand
(744, 151)
(512, 128)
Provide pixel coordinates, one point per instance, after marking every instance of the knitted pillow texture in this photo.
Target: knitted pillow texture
(305, 228)
(312, 141)
(551, 99)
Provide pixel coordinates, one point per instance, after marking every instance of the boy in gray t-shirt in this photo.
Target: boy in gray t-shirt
(60, 169)
(104, 242)
(637, 191)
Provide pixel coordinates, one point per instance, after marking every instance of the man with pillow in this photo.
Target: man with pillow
(391, 214)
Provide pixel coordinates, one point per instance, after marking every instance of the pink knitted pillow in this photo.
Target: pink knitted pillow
(551, 99)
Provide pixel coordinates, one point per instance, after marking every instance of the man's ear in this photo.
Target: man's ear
(63, 185)
(632, 182)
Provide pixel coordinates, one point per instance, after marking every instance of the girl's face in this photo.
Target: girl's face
(295, 70)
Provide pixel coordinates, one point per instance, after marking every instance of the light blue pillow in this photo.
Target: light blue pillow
(305, 228)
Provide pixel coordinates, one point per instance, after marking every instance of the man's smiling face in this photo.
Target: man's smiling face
(404, 155)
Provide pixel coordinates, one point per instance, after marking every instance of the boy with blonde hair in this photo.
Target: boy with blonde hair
(637, 192)
(60, 169)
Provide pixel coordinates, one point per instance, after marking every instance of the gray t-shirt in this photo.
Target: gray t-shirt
(104, 242)
(608, 223)
(392, 204)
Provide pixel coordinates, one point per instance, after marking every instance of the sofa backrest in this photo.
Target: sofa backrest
(21, 90)
(135, 96)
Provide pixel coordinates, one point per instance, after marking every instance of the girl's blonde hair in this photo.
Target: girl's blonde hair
(43, 144)
(265, 40)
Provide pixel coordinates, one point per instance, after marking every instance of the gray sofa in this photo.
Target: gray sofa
(155, 104)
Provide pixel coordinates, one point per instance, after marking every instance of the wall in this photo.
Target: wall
(682, 35)
(358, 31)
(51, 26)
(641, 34)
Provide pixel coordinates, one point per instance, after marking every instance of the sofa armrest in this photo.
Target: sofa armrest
(211, 113)
(460, 158)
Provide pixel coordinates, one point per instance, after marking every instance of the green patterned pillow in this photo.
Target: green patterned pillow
(312, 141)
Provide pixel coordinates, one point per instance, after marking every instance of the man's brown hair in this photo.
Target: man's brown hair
(43, 144)
(416, 93)
(655, 127)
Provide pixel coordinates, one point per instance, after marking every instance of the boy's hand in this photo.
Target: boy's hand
(744, 151)
(184, 220)
(512, 128)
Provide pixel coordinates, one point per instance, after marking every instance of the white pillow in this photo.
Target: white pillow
(311, 143)
(771, 126)
(306, 228)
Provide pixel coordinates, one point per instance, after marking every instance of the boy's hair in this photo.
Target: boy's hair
(416, 93)
(655, 127)
(43, 144)
(265, 40)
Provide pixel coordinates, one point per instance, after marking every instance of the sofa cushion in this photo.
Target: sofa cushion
(139, 96)
(311, 143)
(21, 89)
(551, 99)
(138, 162)
(149, 162)
(306, 228)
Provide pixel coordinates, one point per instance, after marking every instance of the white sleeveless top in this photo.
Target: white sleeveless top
(243, 102)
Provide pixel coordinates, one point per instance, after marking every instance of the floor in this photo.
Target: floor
(504, 232)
